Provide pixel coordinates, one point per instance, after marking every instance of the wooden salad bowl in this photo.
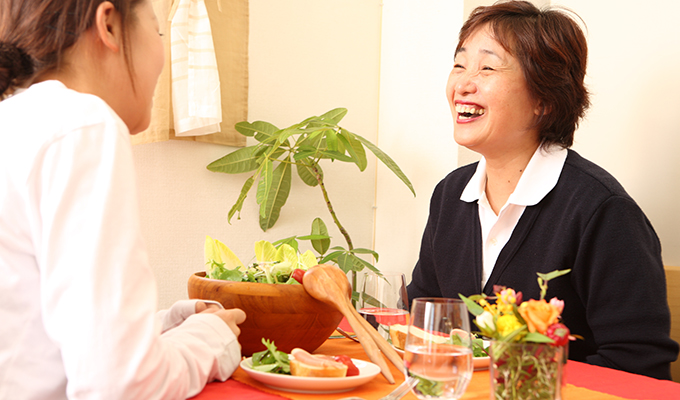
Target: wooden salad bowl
(284, 314)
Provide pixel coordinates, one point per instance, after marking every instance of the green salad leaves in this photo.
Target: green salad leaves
(271, 360)
(272, 265)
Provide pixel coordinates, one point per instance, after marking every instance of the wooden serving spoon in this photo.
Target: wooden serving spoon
(329, 284)
(340, 279)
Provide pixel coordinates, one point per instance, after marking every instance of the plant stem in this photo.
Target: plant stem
(330, 208)
(344, 232)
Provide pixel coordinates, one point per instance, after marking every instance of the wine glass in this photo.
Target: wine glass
(438, 349)
(383, 301)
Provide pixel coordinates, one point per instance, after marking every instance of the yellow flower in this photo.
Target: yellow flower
(507, 296)
(506, 324)
(539, 315)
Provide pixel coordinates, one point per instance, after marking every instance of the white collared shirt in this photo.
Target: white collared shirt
(537, 180)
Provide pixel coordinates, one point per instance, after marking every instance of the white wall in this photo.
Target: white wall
(633, 127)
(416, 127)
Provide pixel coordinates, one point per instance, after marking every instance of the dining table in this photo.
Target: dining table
(583, 382)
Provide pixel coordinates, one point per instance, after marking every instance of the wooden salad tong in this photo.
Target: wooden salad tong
(329, 284)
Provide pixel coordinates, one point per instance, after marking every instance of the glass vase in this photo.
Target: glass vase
(527, 371)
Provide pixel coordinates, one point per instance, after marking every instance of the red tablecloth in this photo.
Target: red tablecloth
(584, 382)
(619, 383)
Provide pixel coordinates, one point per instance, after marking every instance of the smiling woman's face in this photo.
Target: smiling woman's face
(493, 112)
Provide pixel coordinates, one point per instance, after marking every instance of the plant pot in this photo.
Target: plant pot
(527, 371)
(284, 314)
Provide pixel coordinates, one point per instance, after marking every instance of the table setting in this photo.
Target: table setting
(583, 382)
(432, 360)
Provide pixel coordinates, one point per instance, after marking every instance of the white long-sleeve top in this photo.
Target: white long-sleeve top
(77, 295)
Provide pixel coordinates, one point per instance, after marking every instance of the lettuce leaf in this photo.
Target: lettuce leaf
(221, 262)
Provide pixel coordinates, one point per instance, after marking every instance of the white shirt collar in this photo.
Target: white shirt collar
(537, 180)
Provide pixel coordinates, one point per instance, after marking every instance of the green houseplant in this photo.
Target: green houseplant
(302, 147)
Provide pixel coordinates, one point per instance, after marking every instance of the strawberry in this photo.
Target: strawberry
(559, 333)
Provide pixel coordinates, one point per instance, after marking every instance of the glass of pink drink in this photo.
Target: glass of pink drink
(383, 300)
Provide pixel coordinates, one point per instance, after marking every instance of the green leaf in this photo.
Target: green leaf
(313, 237)
(333, 256)
(334, 115)
(308, 260)
(290, 241)
(273, 151)
(269, 152)
(241, 198)
(264, 184)
(536, 337)
(306, 155)
(387, 161)
(265, 367)
(258, 127)
(370, 300)
(210, 251)
(334, 155)
(306, 172)
(553, 274)
(319, 228)
(288, 132)
(271, 356)
(276, 196)
(332, 141)
(342, 148)
(287, 253)
(236, 162)
(357, 264)
(219, 271)
(429, 388)
(355, 148)
(312, 141)
(473, 307)
(510, 337)
(345, 262)
(227, 256)
(265, 251)
(360, 250)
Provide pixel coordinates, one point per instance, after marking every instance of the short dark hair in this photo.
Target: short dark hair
(35, 33)
(552, 51)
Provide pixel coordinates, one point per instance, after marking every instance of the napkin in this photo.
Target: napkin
(196, 98)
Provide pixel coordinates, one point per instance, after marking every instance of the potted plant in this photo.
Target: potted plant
(302, 147)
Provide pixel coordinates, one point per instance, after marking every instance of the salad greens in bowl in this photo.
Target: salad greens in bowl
(284, 313)
(272, 264)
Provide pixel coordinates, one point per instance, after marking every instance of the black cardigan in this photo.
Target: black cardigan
(615, 295)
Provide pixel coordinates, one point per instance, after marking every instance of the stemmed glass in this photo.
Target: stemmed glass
(383, 301)
(438, 349)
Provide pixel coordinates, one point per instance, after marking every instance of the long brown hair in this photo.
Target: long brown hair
(552, 51)
(35, 33)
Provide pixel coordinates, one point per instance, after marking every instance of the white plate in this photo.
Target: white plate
(303, 384)
(478, 363)
(482, 362)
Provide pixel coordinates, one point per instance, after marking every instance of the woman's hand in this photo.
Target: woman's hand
(202, 306)
(232, 317)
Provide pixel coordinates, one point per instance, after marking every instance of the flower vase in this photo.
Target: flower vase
(527, 371)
